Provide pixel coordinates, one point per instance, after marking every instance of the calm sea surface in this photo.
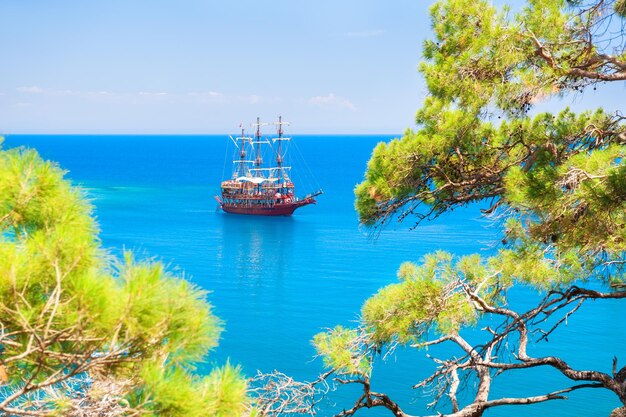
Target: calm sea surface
(278, 281)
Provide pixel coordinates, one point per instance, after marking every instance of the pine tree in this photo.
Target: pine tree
(556, 181)
(83, 334)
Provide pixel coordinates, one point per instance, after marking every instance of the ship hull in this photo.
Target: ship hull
(285, 209)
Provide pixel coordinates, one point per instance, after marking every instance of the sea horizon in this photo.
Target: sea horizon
(196, 134)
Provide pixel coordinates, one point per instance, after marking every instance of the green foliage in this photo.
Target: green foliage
(183, 314)
(131, 324)
(226, 390)
(555, 181)
(432, 296)
(558, 181)
(174, 392)
(405, 310)
(344, 350)
(620, 8)
(488, 62)
(481, 56)
(457, 159)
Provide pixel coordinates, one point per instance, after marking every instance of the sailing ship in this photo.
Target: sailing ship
(257, 188)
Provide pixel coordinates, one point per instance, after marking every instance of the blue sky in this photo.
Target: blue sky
(203, 66)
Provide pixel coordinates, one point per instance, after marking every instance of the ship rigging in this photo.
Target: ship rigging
(256, 188)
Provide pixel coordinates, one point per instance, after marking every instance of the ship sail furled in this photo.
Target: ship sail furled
(260, 183)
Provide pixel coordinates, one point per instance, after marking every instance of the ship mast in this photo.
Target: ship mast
(258, 159)
(279, 151)
(242, 153)
(258, 190)
(241, 164)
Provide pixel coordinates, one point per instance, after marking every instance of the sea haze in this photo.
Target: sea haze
(276, 282)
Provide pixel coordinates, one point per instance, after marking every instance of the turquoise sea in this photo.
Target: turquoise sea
(278, 281)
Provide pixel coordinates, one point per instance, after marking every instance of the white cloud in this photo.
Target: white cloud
(332, 101)
(215, 97)
(72, 93)
(33, 89)
(66, 92)
(253, 99)
(202, 97)
(256, 99)
(365, 33)
(205, 94)
(88, 93)
(206, 97)
(91, 95)
(152, 94)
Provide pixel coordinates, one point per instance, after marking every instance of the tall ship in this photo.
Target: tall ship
(260, 187)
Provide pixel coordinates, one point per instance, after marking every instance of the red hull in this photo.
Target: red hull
(283, 209)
